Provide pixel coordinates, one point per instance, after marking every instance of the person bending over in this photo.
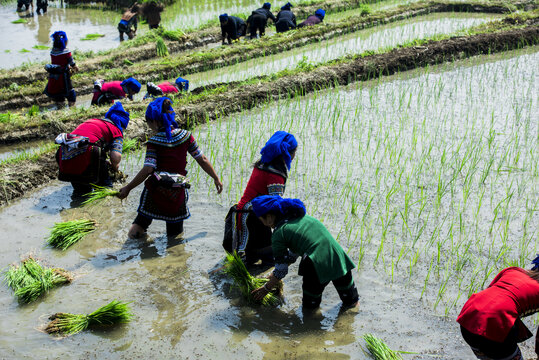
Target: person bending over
(232, 28)
(108, 92)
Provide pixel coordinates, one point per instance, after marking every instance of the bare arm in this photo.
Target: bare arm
(208, 169)
(115, 158)
(137, 180)
(262, 291)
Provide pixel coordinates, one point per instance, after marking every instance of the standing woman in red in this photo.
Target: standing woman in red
(490, 321)
(59, 86)
(244, 232)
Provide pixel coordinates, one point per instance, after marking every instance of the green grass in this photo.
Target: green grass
(30, 280)
(67, 233)
(66, 324)
(92, 37)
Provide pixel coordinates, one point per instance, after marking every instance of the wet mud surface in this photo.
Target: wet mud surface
(365, 68)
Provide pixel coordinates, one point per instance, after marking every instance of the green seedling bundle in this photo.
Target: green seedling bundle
(67, 233)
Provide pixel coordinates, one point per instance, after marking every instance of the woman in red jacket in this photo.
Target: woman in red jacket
(490, 321)
(59, 85)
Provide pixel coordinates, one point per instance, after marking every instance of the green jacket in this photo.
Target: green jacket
(306, 236)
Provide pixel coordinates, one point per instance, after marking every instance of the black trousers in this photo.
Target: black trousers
(173, 229)
(484, 348)
(258, 24)
(313, 288)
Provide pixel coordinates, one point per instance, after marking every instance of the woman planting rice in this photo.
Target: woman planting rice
(129, 21)
(165, 195)
(490, 321)
(232, 28)
(59, 85)
(323, 259)
(82, 156)
(317, 18)
(244, 233)
(107, 92)
(286, 20)
(166, 87)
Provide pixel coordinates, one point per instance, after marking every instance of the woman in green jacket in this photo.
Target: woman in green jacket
(297, 234)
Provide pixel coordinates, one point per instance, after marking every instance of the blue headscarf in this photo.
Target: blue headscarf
(59, 40)
(286, 6)
(276, 204)
(535, 263)
(155, 112)
(118, 116)
(280, 143)
(266, 5)
(223, 17)
(320, 13)
(182, 84)
(132, 83)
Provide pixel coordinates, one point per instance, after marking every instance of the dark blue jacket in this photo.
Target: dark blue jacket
(232, 27)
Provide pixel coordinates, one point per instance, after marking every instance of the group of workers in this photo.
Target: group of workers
(262, 226)
(233, 27)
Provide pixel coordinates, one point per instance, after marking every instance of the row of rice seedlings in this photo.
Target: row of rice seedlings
(67, 233)
(245, 282)
(29, 155)
(30, 280)
(113, 313)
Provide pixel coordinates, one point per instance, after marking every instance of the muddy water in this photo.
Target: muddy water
(376, 38)
(348, 139)
(7, 151)
(77, 23)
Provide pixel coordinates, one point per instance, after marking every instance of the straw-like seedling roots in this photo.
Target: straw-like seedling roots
(244, 281)
(30, 280)
(379, 350)
(113, 313)
(65, 234)
(99, 192)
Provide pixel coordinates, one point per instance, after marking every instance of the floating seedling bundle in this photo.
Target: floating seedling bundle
(113, 313)
(65, 234)
(100, 192)
(379, 350)
(244, 281)
(30, 280)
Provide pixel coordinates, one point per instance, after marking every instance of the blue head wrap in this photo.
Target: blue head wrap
(286, 6)
(274, 203)
(118, 116)
(155, 112)
(182, 84)
(59, 40)
(320, 13)
(266, 5)
(223, 17)
(280, 143)
(535, 263)
(132, 84)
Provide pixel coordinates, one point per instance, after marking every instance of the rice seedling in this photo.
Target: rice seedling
(34, 110)
(89, 37)
(40, 47)
(23, 50)
(67, 233)
(31, 280)
(161, 48)
(129, 145)
(174, 35)
(245, 282)
(66, 324)
(99, 193)
(19, 21)
(379, 349)
(128, 62)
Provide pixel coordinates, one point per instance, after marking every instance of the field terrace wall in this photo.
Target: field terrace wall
(83, 82)
(26, 175)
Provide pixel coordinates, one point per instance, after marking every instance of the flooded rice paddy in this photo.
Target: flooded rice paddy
(429, 179)
(377, 38)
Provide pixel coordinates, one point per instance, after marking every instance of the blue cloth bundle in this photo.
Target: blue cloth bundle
(118, 116)
(280, 143)
(155, 112)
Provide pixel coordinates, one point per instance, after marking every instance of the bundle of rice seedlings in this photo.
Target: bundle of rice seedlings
(31, 280)
(100, 192)
(92, 37)
(19, 21)
(113, 313)
(246, 282)
(174, 35)
(40, 47)
(161, 48)
(65, 234)
(34, 110)
(128, 145)
(379, 350)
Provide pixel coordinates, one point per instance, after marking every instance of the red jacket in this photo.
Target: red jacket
(168, 88)
(261, 183)
(492, 312)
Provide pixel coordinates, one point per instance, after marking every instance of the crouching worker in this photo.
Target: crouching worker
(166, 88)
(317, 18)
(259, 19)
(82, 156)
(128, 23)
(286, 20)
(164, 196)
(323, 259)
(107, 92)
(490, 321)
(232, 28)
